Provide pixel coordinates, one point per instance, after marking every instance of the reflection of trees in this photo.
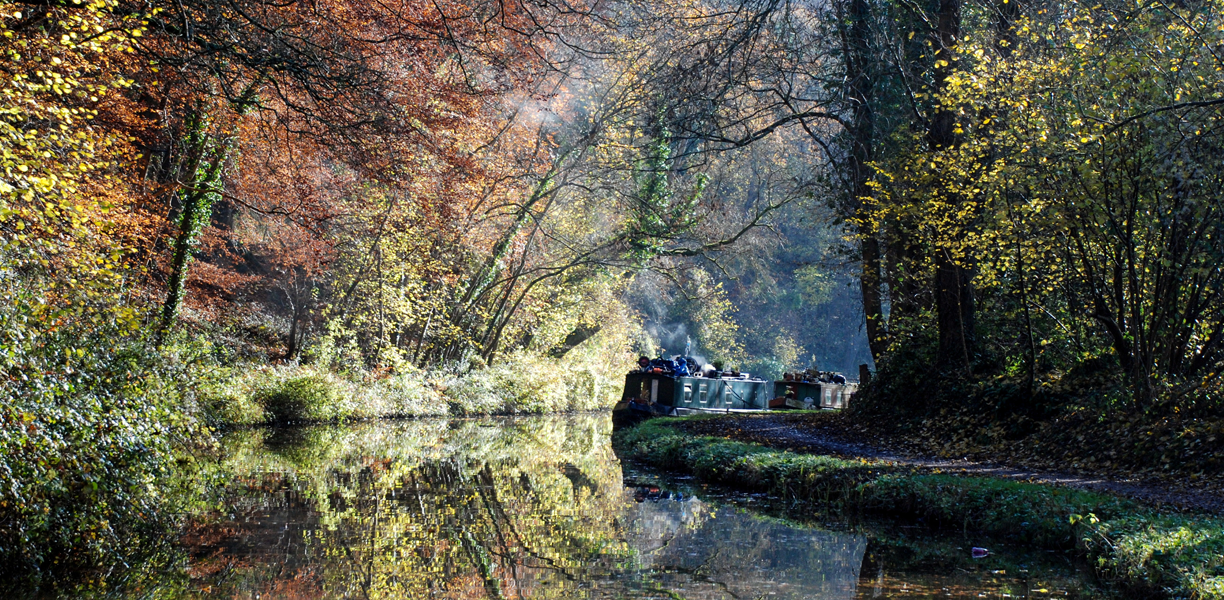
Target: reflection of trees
(522, 509)
(456, 510)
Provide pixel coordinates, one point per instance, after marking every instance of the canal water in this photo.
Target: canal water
(538, 508)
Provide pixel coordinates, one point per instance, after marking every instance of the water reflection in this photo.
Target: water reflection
(523, 508)
(529, 508)
(697, 552)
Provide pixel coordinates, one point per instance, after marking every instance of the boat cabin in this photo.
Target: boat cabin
(813, 394)
(667, 393)
(659, 392)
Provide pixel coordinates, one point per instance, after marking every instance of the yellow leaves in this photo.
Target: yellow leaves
(46, 189)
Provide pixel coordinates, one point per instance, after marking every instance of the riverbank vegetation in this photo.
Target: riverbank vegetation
(241, 212)
(1140, 551)
(1050, 239)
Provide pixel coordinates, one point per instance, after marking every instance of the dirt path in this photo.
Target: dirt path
(817, 438)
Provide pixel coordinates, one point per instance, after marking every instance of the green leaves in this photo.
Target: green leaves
(1087, 171)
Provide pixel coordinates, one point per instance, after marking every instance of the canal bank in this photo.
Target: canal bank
(1142, 551)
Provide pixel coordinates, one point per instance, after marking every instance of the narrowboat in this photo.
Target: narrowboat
(812, 394)
(667, 392)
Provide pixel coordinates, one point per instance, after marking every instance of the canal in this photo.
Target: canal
(541, 507)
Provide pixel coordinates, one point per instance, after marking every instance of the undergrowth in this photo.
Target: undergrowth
(1139, 550)
(105, 433)
(520, 384)
(94, 439)
(1083, 419)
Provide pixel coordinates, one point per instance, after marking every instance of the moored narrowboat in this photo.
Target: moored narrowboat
(664, 393)
(790, 393)
(666, 388)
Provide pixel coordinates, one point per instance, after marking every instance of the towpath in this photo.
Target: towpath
(823, 436)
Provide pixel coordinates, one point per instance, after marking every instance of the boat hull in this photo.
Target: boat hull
(696, 393)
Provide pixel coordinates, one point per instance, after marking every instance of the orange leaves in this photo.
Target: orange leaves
(366, 138)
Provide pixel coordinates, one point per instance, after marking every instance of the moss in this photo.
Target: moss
(1141, 550)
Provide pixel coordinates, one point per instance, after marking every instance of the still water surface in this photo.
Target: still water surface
(523, 508)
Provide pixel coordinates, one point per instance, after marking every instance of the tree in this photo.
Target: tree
(1076, 164)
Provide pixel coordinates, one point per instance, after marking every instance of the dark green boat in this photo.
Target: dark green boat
(650, 393)
(661, 393)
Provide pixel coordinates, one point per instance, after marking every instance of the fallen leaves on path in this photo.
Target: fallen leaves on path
(979, 450)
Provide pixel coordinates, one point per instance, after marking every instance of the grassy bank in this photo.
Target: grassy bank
(1141, 551)
(520, 384)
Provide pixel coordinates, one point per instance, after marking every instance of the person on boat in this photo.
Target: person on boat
(643, 364)
(681, 367)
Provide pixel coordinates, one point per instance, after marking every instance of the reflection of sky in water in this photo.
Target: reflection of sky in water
(700, 552)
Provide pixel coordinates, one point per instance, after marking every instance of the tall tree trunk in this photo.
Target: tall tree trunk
(954, 300)
(860, 86)
(291, 347)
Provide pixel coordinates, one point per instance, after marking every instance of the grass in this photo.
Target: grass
(1140, 550)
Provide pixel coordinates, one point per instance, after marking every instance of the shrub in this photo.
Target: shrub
(281, 394)
(310, 397)
(520, 383)
(88, 428)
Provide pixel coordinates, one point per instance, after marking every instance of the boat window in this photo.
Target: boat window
(688, 392)
(701, 391)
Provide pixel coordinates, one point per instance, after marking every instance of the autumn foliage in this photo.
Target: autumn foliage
(261, 173)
